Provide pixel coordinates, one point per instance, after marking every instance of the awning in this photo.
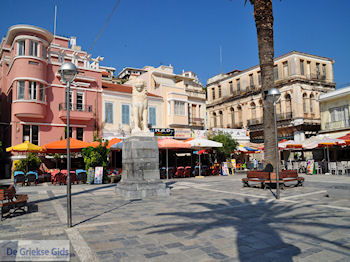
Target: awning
(60, 146)
(169, 143)
(204, 143)
(26, 146)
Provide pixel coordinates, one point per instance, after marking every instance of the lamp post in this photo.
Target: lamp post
(68, 71)
(273, 95)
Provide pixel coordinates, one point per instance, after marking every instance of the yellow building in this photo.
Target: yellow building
(335, 116)
(176, 101)
(235, 99)
(116, 111)
(184, 97)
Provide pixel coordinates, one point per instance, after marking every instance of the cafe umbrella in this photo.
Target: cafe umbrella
(25, 147)
(201, 143)
(169, 143)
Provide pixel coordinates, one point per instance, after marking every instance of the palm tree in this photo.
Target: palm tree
(264, 26)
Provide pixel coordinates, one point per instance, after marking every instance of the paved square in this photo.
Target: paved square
(209, 219)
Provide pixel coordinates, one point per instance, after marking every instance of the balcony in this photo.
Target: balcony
(255, 121)
(196, 121)
(238, 125)
(252, 88)
(316, 77)
(285, 116)
(77, 112)
(337, 125)
(310, 116)
(29, 109)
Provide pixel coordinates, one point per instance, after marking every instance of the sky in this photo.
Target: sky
(189, 34)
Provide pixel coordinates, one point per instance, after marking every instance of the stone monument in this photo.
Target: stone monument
(140, 176)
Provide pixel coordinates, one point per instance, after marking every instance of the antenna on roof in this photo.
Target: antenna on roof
(54, 22)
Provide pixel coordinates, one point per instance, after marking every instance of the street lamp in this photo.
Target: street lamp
(273, 95)
(68, 71)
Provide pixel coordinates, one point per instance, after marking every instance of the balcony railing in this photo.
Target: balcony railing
(75, 107)
(337, 124)
(238, 125)
(255, 121)
(252, 88)
(196, 121)
(316, 77)
(284, 116)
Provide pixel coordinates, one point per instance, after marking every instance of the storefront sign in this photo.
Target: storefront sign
(183, 133)
(199, 134)
(98, 175)
(163, 131)
(224, 169)
(235, 133)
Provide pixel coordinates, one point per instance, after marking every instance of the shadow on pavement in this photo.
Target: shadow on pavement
(52, 197)
(257, 225)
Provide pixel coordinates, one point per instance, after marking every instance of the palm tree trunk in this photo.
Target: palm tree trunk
(264, 26)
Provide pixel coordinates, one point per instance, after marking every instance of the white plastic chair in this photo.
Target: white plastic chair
(340, 168)
(318, 168)
(332, 166)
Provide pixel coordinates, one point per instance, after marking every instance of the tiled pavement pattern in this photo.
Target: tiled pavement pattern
(209, 219)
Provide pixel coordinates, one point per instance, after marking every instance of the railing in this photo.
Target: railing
(238, 125)
(311, 116)
(280, 117)
(255, 121)
(337, 124)
(236, 92)
(316, 77)
(251, 88)
(196, 121)
(284, 116)
(75, 107)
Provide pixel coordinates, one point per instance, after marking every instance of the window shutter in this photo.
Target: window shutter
(125, 114)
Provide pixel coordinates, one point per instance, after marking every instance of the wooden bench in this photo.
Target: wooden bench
(267, 178)
(291, 176)
(258, 177)
(10, 200)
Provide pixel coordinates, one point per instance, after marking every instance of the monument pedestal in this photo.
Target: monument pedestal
(140, 176)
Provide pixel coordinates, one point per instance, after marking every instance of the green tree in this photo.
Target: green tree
(229, 145)
(263, 16)
(96, 156)
(30, 163)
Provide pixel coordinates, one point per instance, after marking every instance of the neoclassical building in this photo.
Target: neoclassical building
(335, 112)
(179, 100)
(235, 99)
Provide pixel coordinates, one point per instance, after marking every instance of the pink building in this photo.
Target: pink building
(33, 98)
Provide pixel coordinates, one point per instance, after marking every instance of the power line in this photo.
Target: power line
(104, 27)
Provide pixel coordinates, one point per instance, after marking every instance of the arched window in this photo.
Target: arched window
(288, 101)
(221, 119)
(239, 110)
(278, 107)
(214, 120)
(312, 104)
(305, 103)
(253, 110)
(232, 111)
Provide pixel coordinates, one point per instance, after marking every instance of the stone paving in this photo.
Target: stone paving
(209, 219)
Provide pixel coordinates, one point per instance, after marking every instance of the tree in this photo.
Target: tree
(30, 163)
(229, 145)
(263, 16)
(96, 156)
